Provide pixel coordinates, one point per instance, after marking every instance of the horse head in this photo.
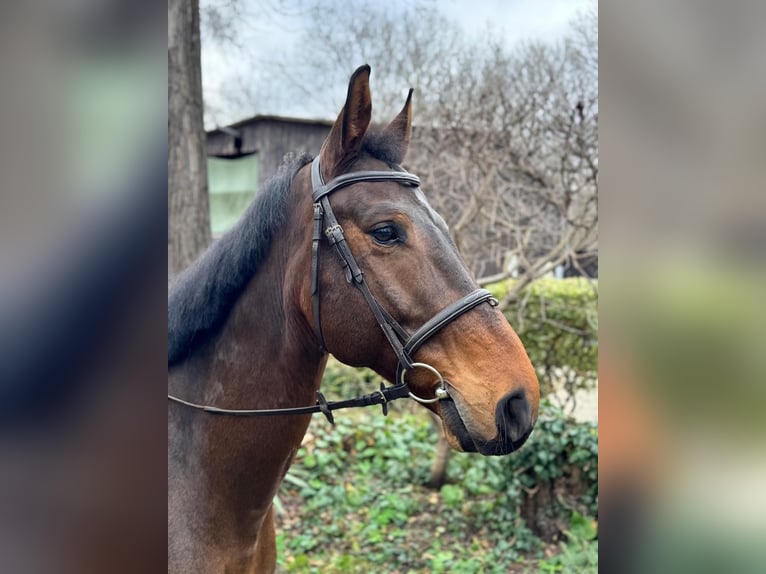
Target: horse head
(413, 269)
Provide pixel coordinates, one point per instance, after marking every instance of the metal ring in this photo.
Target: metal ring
(441, 390)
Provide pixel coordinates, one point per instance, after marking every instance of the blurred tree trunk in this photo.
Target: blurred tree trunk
(438, 475)
(188, 204)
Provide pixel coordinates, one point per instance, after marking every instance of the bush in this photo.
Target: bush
(557, 320)
(552, 475)
(342, 382)
(354, 501)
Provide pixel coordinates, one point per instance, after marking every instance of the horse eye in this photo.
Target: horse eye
(385, 235)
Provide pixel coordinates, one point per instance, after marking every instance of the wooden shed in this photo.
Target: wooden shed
(243, 155)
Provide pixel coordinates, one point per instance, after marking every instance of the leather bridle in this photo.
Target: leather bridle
(403, 344)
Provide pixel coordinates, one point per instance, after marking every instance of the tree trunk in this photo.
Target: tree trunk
(438, 474)
(188, 204)
(547, 507)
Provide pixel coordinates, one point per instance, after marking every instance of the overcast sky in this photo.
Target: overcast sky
(228, 74)
(519, 19)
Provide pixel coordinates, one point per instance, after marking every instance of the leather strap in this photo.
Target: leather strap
(441, 319)
(355, 275)
(315, 239)
(401, 177)
(446, 316)
(379, 397)
(395, 334)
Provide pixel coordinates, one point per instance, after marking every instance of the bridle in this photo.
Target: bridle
(403, 344)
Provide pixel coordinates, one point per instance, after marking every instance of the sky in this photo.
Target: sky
(520, 19)
(229, 73)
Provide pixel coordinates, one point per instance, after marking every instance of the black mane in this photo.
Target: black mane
(201, 296)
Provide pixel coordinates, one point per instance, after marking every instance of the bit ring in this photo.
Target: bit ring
(441, 390)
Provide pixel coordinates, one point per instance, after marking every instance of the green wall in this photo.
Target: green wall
(232, 184)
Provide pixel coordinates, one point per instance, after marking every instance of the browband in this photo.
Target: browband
(347, 179)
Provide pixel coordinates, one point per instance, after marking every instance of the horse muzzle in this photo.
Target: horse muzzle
(514, 421)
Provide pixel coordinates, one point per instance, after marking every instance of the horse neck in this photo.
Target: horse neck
(265, 355)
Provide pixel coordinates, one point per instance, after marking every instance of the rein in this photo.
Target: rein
(403, 344)
(381, 397)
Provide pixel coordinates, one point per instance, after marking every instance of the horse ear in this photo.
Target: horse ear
(345, 139)
(399, 130)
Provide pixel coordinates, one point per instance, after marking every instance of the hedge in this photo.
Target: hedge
(557, 320)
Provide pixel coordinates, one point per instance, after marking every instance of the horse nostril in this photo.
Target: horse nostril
(514, 418)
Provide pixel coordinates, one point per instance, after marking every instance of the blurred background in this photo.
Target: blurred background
(83, 202)
(85, 260)
(682, 328)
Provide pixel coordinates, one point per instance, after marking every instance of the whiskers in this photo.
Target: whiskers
(504, 439)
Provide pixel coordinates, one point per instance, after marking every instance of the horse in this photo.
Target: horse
(337, 254)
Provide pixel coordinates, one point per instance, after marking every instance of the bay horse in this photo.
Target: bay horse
(372, 277)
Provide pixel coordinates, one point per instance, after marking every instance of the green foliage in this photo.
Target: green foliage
(558, 448)
(580, 554)
(353, 500)
(557, 320)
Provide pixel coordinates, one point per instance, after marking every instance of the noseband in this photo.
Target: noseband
(403, 344)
